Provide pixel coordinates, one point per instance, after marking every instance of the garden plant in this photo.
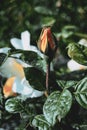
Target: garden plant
(43, 66)
(33, 91)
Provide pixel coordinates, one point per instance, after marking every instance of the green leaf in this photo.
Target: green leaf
(43, 10)
(28, 111)
(81, 93)
(68, 31)
(12, 105)
(75, 75)
(34, 60)
(25, 109)
(66, 84)
(69, 28)
(83, 127)
(47, 21)
(57, 106)
(41, 123)
(78, 53)
(36, 78)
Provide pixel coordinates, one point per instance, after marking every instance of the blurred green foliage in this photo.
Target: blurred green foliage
(17, 16)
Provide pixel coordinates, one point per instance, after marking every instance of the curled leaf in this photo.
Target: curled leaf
(78, 53)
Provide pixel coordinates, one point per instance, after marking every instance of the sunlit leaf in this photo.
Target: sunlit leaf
(78, 53)
(57, 106)
(17, 105)
(81, 92)
(13, 105)
(41, 123)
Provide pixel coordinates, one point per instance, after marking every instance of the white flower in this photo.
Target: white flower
(11, 68)
(83, 42)
(24, 43)
(25, 89)
(14, 86)
(73, 65)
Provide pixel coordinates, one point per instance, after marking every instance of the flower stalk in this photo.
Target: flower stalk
(48, 77)
(47, 45)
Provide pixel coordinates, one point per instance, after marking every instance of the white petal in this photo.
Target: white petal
(27, 91)
(21, 88)
(6, 68)
(10, 68)
(17, 55)
(36, 93)
(73, 65)
(83, 42)
(25, 37)
(25, 65)
(17, 43)
(4, 50)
